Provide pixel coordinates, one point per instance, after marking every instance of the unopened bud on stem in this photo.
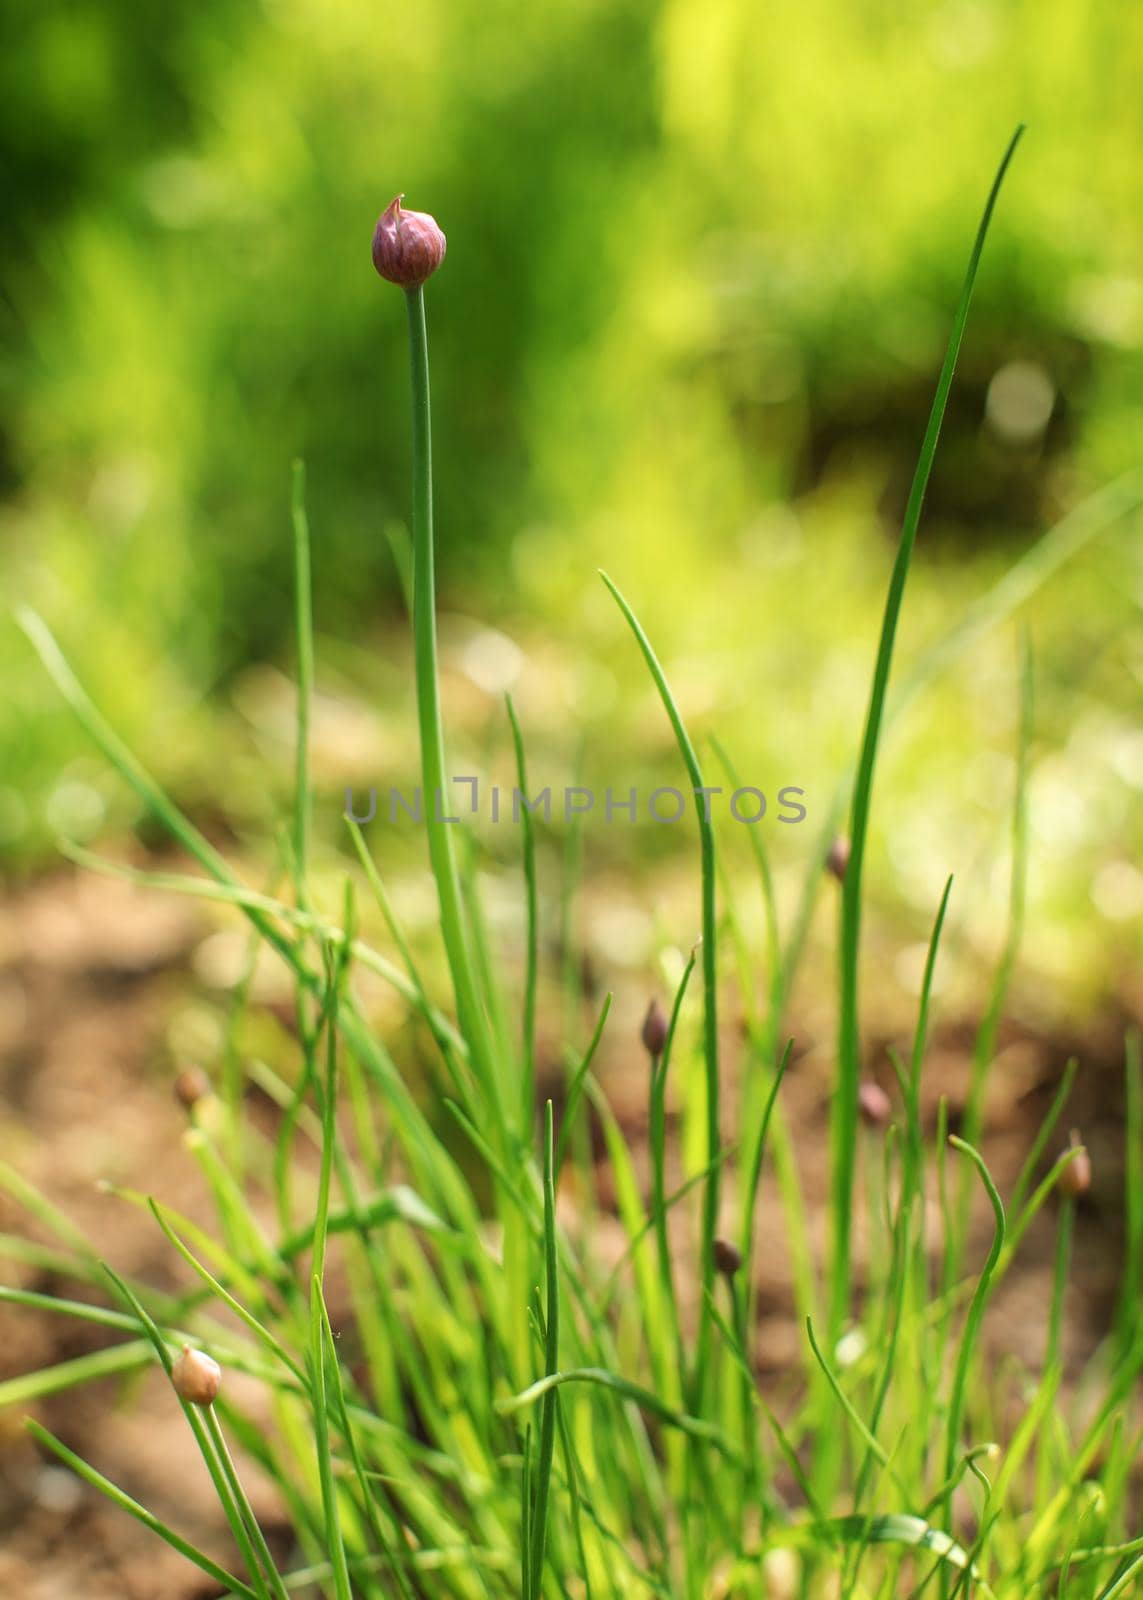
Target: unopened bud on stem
(191, 1086)
(408, 246)
(654, 1034)
(197, 1379)
(874, 1104)
(1075, 1179)
(837, 858)
(727, 1257)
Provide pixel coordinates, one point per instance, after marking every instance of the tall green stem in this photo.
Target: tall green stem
(849, 1031)
(303, 621)
(702, 795)
(474, 1024)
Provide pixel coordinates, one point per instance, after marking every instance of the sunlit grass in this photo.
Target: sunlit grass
(503, 1412)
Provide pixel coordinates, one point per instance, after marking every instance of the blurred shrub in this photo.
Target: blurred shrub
(702, 259)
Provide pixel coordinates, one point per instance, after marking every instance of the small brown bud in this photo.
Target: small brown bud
(1075, 1179)
(837, 858)
(874, 1104)
(191, 1086)
(197, 1379)
(408, 247)
(727, 1257)
(654, 1034)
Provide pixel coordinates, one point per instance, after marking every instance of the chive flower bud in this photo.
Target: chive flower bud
(837, 858)
(727, 1257)
(1075, 1179)
(408, 246)
(654, 1033)
(191, 1086)
(874, 1104)
(197, 1379)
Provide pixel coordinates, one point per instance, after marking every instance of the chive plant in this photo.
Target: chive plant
(487, 1410)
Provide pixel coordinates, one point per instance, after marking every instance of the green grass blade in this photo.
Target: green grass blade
(576, 1086)
(658, 1142)
(985, 1044)
(1022, 581)
(473, 1020)
(696, 1427)
(304, 643)
(349, 1433)
(790, 1455)
(1025, 1218)
(532, 933)
(777, 976)
(1132, 1287)
(977, 1306)
(99, 1315)
(242, 1505)
(753, 1167)
(571, 1473)
(259, 1329)
(334, 1538)
(1043, 1134)
(649, 1292)
(527, 1579)
(335, 1543)
(710, 988)
(903, 1529)
(871, 1443)
(551, 1361)
(1124, 1579)
(1064, 540)
(27, 1196)
(31, 1386)
(229, 1582)
(849, 1029)
(199, 1427)
(727, 1153)
(180, 828)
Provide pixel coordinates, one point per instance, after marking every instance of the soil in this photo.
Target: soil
(98, 983)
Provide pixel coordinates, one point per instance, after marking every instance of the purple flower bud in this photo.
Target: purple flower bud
(874, 1104)
(1075, 1179)
(727, 1257)
(408, 247)
(838, 858)
(654, 1034)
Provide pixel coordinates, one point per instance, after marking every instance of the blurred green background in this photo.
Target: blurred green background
(702, 260)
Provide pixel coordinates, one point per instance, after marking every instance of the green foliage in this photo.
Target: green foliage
(492, 1416)
(454, 1505)
(701, 261)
